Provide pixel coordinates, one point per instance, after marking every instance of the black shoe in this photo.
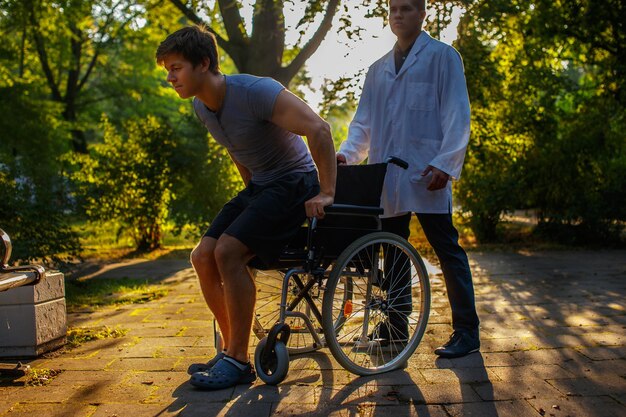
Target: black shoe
(386, 333)
(461, 343)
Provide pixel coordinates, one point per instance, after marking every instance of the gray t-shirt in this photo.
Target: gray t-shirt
(243, 126)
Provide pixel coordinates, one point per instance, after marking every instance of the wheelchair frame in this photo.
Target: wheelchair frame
(357, 351)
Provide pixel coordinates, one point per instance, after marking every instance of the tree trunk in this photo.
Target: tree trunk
(267, 43)
(262, 52)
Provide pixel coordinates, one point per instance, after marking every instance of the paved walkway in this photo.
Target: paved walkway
(552, 345)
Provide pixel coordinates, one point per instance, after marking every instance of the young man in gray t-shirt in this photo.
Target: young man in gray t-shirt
(261, 124)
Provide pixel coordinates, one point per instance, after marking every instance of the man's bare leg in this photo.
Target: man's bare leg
(232, 256)
(203, 261)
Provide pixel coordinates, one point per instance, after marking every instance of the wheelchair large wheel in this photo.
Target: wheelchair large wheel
(269, 288)
(389, 307)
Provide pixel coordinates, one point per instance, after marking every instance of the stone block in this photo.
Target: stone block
(33, 318)
(51, 287)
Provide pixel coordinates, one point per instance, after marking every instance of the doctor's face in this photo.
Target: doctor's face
(405, 18)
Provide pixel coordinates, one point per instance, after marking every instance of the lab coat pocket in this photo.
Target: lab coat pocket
(423, 152)
(417, 178)
(422, 96)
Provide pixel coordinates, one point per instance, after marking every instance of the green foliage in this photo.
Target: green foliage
(127, 178)
(204, 178)
(38, 229)
(41, 377)
(32, 192)
(546, 82)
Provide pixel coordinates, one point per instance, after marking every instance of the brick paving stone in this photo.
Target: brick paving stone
(147, 330)
(459, 375)
(186, 393)
(51, 410)
(529, 387)
(599, 368)
(94, 347)
(360, 410)
(514, 408)
(476, 360)
(198, 331)
(188, 354)
(590, 386)
(509, 344)
(41, 394)
(261, 393)
(170, 341)
(77, 364)
(422, 360)
(221, 410)
(156, 378)
(548, 356)
(143, 364)
(604, 352)
(138, 350)
(6, 401)
(102, 392)
(192, 394)
(340, 377)
(135, 410)
(515, 373)
(620, 398)
(438, 393)
(80, 377)
(603, 406)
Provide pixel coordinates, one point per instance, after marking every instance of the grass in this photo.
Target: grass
(104, 241)
(76, 336)
(41, 377)
(99, 292)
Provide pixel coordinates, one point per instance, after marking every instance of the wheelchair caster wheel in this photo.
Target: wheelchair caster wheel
(272, 368)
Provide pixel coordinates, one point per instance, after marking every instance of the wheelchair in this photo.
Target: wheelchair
(344, 284)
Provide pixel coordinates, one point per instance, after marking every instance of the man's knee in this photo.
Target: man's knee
(230, 252)
(204, 253)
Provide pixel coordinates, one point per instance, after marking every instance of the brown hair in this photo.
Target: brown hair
(419, 4)
(194, 43)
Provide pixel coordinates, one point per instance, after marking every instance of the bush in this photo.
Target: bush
(127, 178)
(38, 230)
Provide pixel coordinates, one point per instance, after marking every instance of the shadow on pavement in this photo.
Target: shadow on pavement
(314, 387)
(561, 317)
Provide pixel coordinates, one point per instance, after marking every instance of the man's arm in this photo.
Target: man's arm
(243, 171)
(455, 121)
(295, 115)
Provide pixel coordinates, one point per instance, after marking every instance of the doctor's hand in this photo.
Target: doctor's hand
(315, 206)
(438, 181)
(341, 159)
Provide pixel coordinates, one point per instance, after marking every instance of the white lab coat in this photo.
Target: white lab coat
(421, 115)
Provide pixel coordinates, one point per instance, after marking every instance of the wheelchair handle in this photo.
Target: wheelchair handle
(397, 161)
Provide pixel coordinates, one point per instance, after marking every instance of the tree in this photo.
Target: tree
(32, 194)
(70, 39)
(548, 115)
(263, 51)
(127, 178)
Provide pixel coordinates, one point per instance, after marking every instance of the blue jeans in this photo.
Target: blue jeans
(444, 238)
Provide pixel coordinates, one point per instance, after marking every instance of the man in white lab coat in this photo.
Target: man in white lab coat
(415, 106)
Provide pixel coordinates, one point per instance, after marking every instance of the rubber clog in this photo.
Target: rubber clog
(205, 367)
(224, 374)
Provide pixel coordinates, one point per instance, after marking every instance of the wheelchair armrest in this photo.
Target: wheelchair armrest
(352, 210)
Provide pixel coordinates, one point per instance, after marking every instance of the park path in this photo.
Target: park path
(552, 331)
